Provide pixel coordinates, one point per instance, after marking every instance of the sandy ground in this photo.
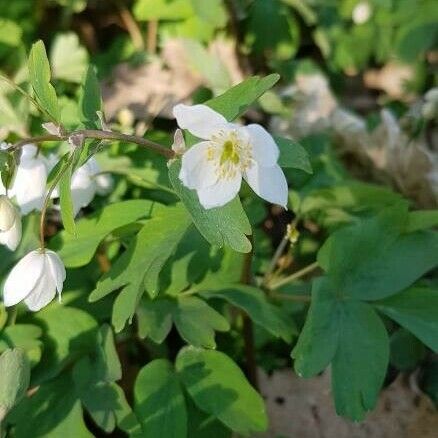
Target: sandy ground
(303, 408)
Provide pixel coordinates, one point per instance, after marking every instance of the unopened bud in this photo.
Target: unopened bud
(8, 213)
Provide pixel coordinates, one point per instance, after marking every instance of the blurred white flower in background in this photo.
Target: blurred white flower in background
(29, 185)
(361, 12)
(215, 166)
(10, 224)
(35, 279)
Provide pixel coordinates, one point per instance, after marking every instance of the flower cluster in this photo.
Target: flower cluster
(36, 277)
(214, 167)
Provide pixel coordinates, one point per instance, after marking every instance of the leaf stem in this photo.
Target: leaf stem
(294, 276)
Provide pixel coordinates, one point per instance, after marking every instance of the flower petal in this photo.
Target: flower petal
(269, 183)
(43, 292)
(12, 237)
(23, 278)
(29, 186)
(83, 188)
(196, 170)
(265, 150)
(200, 120)
(56, 268)
(220, 193)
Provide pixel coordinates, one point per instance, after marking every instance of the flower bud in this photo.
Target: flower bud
(7, 213)
(35, 279)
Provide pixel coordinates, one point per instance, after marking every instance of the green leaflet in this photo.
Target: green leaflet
(227, 225)
(39, 73)
(159, 401)
(139, 267)
(25, 337)
(68, 58)
(54, 410)
(293, 155)
(234, 102)
(253, 301)
(194, 319)
(416, 309)
(90, 99)
(375, 258)
(94, 377)
(219, 388)
(68, 334)
(14, 378)
(78, 250)
(346, 333)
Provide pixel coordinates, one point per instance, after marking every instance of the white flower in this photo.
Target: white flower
(85, 183)
(215, 167)
(361, 13)
(29, 186)
(35, 279)
(10, 224)
(7, 213)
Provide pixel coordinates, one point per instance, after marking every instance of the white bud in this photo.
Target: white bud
(35, 279)
(12, 237)
(7, 213)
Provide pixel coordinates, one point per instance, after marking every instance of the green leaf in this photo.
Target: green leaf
(293, 155)
(69, 333)
(162, 9)
(53, 411)
(406, 350)
(373, 259)
(14, 378)
(78, 250)
(253, 301)
(196, 322)
(39, 71)
(139, 267)
(234, 102)
(416, 309)
(318, 340)
(90, 99)
(25, 337)
(65, 198)
(346, 333)
(218, 387)
(107, 364)
(155, 319)
(68, 58)
(227, 225)
(422, 220)
(356, 380)
(159, 401)
(194, 319)
(201, 425)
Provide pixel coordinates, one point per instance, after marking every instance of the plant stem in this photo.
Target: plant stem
(279, 251)
(47, 200)
(248, 331)
(294, 276)
(100, 135)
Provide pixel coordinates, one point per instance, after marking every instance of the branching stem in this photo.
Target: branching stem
(294, 276)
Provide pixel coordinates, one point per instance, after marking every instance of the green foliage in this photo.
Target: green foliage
(219, 388)
(14, 379)
(139, 267)
(159, 401)
(198, 281)
(40, 75)
(78, 250)
(195, 320)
